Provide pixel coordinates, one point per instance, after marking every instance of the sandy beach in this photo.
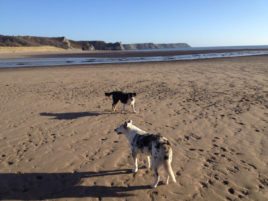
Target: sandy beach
(57, 139)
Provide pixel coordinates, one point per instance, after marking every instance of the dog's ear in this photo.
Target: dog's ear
(134, 94)
(127, 123)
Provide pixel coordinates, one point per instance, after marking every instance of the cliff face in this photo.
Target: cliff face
(24, 41)
(145, 46)
(62, 42)
(95, 45)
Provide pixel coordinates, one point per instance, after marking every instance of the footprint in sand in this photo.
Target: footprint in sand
(232, 169)
(103, 139)
(238, 130)
(231, 191)
(253, 166)
(263, 180)
(245, 192)
(223, 149)
(10, 162)
(213, 158)
(209, 160)
(240, 196)
(204, 185)
(216, 177)
(192, 136)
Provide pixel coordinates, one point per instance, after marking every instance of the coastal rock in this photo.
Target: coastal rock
(148, 46)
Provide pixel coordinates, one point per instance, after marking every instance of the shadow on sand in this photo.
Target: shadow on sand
(36, 186)
(71, 115)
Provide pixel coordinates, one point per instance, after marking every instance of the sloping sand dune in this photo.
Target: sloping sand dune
(8, 50)
(57, 140)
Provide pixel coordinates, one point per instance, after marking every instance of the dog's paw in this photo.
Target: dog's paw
(166, 182)
(134, 170)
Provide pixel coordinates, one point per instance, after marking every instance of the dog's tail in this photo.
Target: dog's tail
(168, 167)
(108, 94)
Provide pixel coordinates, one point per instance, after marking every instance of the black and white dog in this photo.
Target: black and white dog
(156, 147)
(125, 98)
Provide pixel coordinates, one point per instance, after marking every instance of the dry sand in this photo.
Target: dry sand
(57, 140)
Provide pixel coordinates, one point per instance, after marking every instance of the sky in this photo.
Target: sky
(196, 22)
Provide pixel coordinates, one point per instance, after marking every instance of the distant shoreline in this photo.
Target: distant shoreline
(139, 53)
(121, 53)
(99, 65)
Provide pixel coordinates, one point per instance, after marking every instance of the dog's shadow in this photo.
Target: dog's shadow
(36, 186)
(71, 115)
(77, 115)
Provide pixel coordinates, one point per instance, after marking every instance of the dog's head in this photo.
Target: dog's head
(123, 128)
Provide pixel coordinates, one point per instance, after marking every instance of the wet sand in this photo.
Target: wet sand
(115, 54)
(57, 140)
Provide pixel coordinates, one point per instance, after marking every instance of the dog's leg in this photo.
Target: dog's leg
(132, 103)
(135, 159)
(149, 162)
(114, 107)
(124, 108)
(115, 102)
(133, 107)
(156, 176)
(167, 179)
(169, 171)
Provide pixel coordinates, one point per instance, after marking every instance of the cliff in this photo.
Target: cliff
(62, 42)
(148, 46)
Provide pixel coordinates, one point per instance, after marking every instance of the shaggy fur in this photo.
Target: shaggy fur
(156, 147)
(125, 98)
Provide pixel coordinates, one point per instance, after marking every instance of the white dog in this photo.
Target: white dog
(156, 147)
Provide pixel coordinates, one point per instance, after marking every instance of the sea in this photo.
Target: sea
(237, 51)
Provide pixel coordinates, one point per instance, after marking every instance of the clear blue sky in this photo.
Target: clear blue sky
(197, 22)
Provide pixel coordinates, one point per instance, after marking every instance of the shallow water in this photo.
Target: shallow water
(38, 62)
